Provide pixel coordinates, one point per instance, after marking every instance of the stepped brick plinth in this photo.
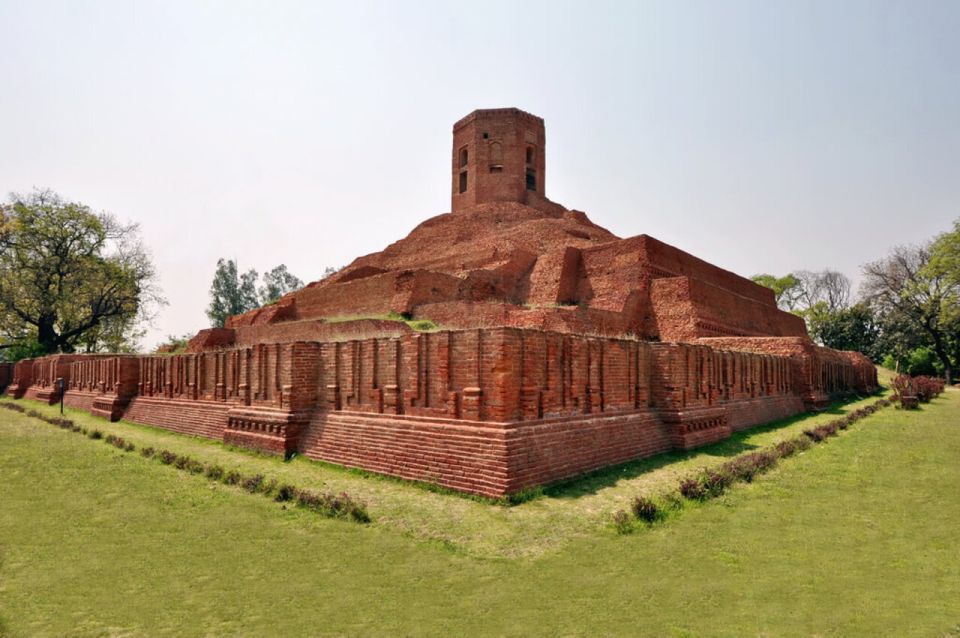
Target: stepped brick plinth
(562, 348)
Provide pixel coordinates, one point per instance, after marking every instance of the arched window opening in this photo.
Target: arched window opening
(463, 157)
(530, 155)
(463, 181)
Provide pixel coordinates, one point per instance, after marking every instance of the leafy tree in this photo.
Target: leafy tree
(920, 295)
(805, 289)
(853, 328)
(120, 334)
(173, 344)
(277, 283)
(24, 349)
(69, 276)
(945, 257)
(786, 289)
(899, 336)
(231, 293)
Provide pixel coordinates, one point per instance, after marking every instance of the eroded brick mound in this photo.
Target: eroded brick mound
(509, 264)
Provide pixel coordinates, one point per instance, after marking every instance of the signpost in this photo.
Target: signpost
(62, 384)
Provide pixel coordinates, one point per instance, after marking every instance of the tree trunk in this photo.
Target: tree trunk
(941, 353)
(46, 336)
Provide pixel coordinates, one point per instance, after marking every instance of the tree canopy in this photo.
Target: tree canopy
(70, 278)
(233, 293)
(918, 287)
(277, 283)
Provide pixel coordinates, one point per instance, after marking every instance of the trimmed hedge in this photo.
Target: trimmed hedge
(341, 505)
(712, 482)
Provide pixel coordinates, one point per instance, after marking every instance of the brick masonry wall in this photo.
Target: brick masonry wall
(80, 400)
(489, 411)
(6, 375)
(466, 456)
(197, 418)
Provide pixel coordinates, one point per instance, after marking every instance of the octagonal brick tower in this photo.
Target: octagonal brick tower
(498, 156)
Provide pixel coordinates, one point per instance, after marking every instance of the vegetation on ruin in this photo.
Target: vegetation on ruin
(419, 325)
(852, 537)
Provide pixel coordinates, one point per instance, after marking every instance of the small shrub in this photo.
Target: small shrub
(181, 462)
(83, 431)
(129, 447)
(285, 492)
(339, 506)
(167, 457)
(253, 483)
(110, 439)
(147, 452)
(716, 481)
(821, 432)
(692, 489)
(96, 435)
(232, 477)
(214, 472)
(645, 509)
(268, 489)
(34, 414)
(346, 507)
(673, 501)
(786, 449)
(746, 466)
(802, 443)
(742, 468)
(622, 522)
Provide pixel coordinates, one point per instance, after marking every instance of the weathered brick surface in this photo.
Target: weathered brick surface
(198, 418)
(6, 375)
(565, 348)
(490, 411)
(507, 256)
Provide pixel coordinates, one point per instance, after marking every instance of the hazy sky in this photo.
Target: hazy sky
(761, 136)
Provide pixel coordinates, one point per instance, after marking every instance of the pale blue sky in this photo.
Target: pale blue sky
(762, 136)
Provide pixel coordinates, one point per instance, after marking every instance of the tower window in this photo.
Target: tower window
(463, 181)
(496, 168)
(531, 179)
(463, 157)
(486, 135)
(530, 155)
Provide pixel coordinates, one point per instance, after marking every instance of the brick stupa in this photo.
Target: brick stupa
(561, 347)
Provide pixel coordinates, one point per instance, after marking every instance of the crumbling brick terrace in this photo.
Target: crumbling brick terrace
(488, 411)
(564, 348)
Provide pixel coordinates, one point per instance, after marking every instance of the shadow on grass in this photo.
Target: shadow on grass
(592, 482)
(571, 488)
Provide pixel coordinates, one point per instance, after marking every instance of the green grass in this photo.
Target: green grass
(473, 526)
(419, 325)
(857, 536)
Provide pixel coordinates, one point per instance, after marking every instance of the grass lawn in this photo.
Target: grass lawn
(857, 536)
